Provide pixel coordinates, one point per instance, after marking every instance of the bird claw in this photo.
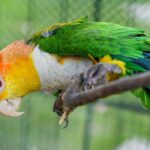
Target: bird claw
(64, 118)
(61, 111)
(66, 123)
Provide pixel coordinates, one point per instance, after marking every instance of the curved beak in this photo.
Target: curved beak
(9, 107)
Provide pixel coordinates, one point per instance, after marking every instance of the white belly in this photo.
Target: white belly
(54, 75)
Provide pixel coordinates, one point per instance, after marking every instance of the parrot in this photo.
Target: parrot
(46, 60)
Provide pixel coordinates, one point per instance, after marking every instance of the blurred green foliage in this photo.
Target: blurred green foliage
(38, 128)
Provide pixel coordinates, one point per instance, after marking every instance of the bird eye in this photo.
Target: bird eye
(49, 33)
(2, 84)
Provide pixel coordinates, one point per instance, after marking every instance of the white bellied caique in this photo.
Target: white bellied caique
(48, 59)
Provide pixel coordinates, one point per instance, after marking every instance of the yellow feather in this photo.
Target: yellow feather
(21, 79)
(109, 60)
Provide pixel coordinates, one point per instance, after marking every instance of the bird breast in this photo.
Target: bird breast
(54, 71)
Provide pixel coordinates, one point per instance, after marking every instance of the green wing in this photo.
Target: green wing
(81, 38)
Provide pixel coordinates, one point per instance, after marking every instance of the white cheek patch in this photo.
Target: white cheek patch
(54, 75)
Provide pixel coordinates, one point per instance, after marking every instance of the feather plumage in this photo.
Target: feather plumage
(82, 37)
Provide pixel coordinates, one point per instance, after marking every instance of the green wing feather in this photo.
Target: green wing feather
(82, 37)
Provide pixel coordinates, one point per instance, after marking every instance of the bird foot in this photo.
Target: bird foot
(61, 111)
(95, 76)
(98, 75)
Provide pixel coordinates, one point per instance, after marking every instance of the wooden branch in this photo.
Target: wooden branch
(91, 85)
(114, 87)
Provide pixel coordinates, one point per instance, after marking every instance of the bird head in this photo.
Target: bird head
(18, 76)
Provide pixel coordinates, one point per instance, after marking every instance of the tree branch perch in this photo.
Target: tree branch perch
(91, 85)
(114, 87)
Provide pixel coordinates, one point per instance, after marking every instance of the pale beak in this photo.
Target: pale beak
(9, 107)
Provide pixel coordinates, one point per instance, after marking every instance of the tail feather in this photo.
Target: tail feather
(136, 65)
(147, 55)
(144, 95)
(143, 62)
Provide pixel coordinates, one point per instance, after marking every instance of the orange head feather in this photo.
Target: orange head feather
(18, 75)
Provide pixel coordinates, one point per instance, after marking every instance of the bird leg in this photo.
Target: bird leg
(95, 76)
(60, 110)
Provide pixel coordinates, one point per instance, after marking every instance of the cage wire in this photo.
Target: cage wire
(117, 123)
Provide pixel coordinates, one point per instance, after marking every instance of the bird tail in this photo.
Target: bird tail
(136, 65)
(144, 93)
